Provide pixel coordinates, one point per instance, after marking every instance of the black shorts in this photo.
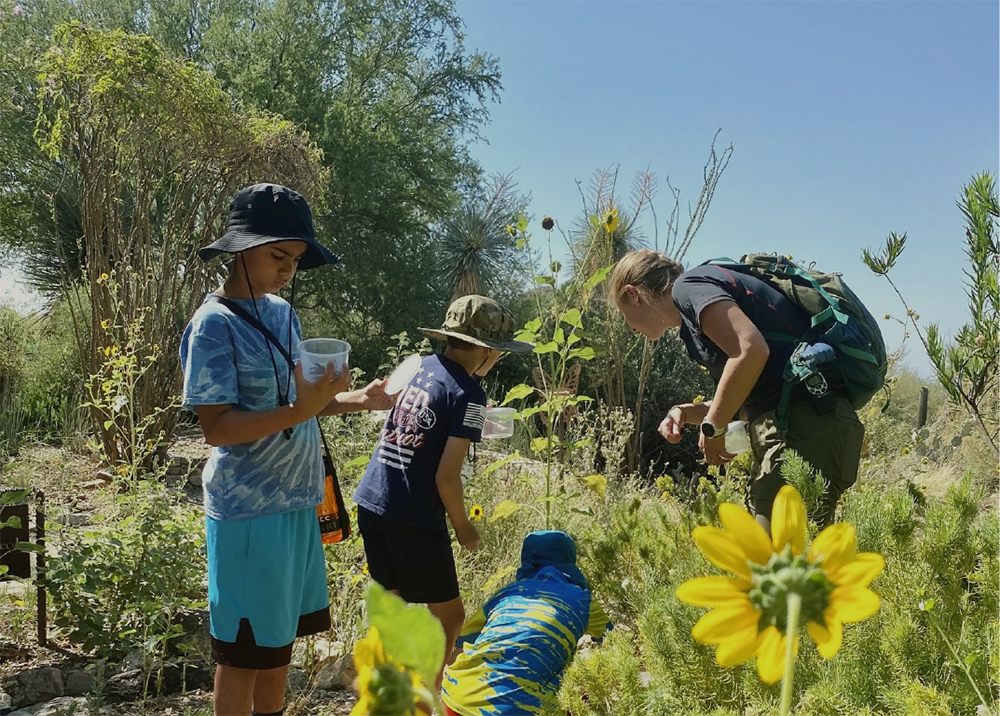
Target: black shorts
(417, 561)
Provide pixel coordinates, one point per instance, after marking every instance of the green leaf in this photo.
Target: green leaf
(534, 325)
(539, 446)
(526, 335)
(29, 547)
(504, 510)
(411, 635)
(595, 220)
(597, 277)
(585, 353)
(521, 243)
(545, 280)
(528, 412)
(108, 424)
(522, 224)
(559, 335)
(572, 317)
(517, 393)
(497, 464)
(597, 483)
(13, 522)
(358, 461)
(549, 347)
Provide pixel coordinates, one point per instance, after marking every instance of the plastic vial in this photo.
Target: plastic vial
(737, 437)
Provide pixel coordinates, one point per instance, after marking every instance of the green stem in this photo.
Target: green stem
(962, 665)
(792, 637)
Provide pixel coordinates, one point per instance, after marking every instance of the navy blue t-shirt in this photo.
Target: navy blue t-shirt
(765, 306)
(440, 401)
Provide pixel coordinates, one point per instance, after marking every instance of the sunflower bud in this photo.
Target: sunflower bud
(548, 223)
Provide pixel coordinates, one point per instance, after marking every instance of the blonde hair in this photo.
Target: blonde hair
(651, 272)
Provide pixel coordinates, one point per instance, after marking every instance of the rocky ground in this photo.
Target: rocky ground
(58, 679)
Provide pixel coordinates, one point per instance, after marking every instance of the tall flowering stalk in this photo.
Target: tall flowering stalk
(777, 586)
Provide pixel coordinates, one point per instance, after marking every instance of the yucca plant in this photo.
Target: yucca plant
(475, 245)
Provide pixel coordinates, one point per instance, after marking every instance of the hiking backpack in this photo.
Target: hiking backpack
(837, 318)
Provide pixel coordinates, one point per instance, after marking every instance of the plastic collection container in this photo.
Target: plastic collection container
(499, 423)
(317, 353)
(737, 437)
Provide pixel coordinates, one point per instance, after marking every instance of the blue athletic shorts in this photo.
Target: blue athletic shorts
(266, 585)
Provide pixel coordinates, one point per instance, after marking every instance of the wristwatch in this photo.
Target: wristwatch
(710, 431)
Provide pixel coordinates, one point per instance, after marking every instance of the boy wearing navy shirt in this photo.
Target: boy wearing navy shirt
(414, 476)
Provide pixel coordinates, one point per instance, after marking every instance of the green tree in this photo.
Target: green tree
(156, 150)
(967, 366)
(385, 88)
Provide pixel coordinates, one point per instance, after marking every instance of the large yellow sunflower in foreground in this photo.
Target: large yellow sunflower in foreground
(749, 615)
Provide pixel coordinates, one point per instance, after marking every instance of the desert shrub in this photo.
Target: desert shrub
(933, 638)
(53, 381)
(604, 681)
(12, 366)
(124, 583)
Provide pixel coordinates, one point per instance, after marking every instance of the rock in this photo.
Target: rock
(6, 702)
(163, 680)
(35, 685)
(335, 673)
(195, 478)
(79, 683)
(62, 706)
(74, 519)
(132, 660)
(325, 648)
(297, 680)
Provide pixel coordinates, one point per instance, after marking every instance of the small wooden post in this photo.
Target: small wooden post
(922, 410)
(42, 600)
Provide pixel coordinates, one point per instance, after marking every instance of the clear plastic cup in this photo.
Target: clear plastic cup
(317, 353)
(737, 437)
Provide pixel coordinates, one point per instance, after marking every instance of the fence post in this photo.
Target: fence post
(42, 600)
(922, 410)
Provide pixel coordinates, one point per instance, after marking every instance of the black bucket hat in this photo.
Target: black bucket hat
(265, 214)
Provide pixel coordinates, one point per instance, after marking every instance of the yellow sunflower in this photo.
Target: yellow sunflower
(383, 687)
(611, 220)
(476, 512)
(749, 615)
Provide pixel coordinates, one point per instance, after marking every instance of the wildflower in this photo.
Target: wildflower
(698, 399)
(103, 278)
(905, 451)
(611, 220)
(476, 512)
(750, 612)
(105, 323)
(365, 569)
(548, 223)
(383, 687)
(511, 230)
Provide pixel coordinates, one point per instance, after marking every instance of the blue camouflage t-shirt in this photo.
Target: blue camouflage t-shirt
(440, 401)
(226, 362)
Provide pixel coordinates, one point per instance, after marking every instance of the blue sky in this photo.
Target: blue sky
(848, 120)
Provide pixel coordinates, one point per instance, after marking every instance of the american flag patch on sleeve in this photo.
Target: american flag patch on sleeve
(475, 416)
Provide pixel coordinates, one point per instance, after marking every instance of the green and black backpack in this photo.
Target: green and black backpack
(837, 318)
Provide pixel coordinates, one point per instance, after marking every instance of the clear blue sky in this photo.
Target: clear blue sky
(848, 120)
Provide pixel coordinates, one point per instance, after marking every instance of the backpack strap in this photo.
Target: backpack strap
(261, 328)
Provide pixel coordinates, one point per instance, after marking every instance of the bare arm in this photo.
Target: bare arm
(730, 329)
(733, 332)
(371, 397)
(227, 425)
(449, 485)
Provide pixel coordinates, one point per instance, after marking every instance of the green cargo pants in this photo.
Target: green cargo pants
(830, 442)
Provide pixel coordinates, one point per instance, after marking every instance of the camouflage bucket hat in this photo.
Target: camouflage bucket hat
(482, 321)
